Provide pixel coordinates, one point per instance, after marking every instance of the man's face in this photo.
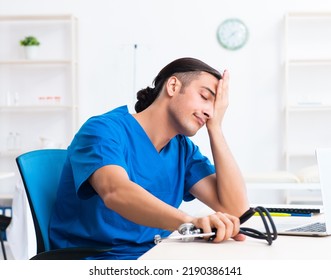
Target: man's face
(193, 105)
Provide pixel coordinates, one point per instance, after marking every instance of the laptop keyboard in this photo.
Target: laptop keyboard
(315, 227)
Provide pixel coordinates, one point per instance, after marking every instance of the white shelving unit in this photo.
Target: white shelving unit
(307, 98)
(38, 98)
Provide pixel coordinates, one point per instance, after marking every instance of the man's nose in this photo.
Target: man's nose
(208, 112)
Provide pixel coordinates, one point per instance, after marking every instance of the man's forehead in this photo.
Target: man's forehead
(208, 82)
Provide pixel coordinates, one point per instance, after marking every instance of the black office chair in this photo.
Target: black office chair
(41, 171)
(4, 223)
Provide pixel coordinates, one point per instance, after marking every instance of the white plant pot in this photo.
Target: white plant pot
(31, 52)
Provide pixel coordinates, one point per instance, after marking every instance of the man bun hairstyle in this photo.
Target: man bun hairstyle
(182, 65)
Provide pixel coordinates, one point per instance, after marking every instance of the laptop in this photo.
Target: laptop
(312, 226)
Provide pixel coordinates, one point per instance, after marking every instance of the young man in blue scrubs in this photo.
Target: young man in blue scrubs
(126, 174)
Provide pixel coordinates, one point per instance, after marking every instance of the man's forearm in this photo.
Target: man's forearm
(133, 202)
(231, 187)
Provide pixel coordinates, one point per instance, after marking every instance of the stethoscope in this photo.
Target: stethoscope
(188, 232)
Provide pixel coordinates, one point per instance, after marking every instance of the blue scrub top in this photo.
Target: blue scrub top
(80, 217)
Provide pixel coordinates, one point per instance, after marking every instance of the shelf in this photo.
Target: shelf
(11, 153)
(5, 175)
(301, 154)
(4, 196)
(36, 108)
(301, 15)
(308, 107)
(36, 17)
(35, 62)
(283, 186)
(300, 151)
(308, 61)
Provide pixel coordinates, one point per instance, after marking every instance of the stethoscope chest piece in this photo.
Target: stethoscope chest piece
(187, 233)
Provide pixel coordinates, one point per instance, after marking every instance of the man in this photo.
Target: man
(126, 174)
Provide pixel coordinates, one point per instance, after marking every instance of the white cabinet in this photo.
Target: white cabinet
(307, 98)
(38, 97)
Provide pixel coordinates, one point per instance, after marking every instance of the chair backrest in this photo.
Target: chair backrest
(41, 171)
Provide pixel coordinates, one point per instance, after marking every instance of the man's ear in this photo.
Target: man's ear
(173, 85)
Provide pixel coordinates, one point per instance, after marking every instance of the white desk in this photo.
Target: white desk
(283, 248)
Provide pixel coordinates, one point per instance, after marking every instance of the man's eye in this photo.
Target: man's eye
(203, 97)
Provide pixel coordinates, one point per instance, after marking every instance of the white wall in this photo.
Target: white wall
(110, 70)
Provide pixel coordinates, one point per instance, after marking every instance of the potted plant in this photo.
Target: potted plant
(30, 44)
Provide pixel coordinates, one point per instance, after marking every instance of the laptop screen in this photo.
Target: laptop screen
(324, 167)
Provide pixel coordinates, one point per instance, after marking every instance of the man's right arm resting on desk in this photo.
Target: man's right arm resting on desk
(136, 204)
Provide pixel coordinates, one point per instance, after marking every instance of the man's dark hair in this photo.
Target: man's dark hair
(186, 69)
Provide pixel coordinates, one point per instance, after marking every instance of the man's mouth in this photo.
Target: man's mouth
(200, 120)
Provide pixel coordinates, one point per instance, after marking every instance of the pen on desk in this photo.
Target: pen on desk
(276, 214)
(301, 214)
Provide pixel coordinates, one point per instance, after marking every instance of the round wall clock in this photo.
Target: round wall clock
(232, 34)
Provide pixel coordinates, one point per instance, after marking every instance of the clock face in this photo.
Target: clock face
(232, 34)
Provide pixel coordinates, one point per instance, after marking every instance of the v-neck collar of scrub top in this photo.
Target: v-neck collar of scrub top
(135, 122)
